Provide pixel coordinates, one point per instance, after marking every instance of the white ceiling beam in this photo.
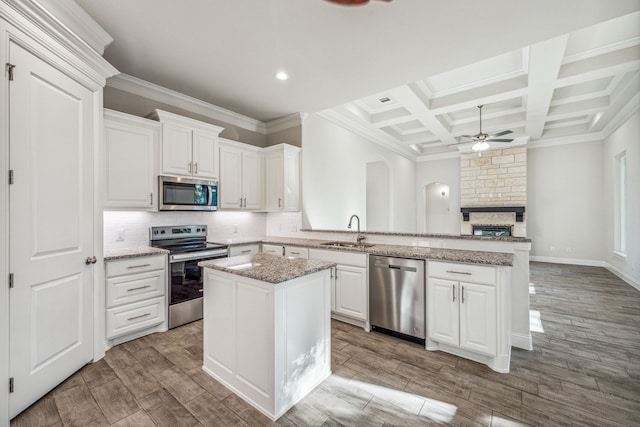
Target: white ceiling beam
(621, 99)
(496, 92)
(568, 111)
(545, 60)
(416, 103)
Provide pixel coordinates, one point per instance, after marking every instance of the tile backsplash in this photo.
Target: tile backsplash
(134, 226)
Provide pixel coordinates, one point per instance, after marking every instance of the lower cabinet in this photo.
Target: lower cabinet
(245, 249)
(349, 285)
(469, 317)
(135, 297)
(296, 252)
(272, 249)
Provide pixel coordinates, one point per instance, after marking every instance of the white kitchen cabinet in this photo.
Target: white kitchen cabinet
(349, 286)
(189, 147)
(244, 249)
(467, 312)
(273, 249)
(282, 178)
(240, 176)
(130, 150)
(296, 252)
(135, 297)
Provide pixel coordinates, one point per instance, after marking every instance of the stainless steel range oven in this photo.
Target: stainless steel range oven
(187, 245)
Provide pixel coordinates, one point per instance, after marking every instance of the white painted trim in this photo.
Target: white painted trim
(158, 93)
(572, 261)
(286, 122)
(366, 132)
(439, 156)
(624, 276)
(575, 139)
(522, 341)
(601, 50)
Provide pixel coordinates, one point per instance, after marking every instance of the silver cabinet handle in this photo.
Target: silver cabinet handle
(331, 273)
(196, 168)
(246, 251)
(90, 260)
(245, 202)
(190, 167)
(139, 317)
(139, 266)
(151, 199)
(459, 272)
(279, 202)
(138, 288)
(462, 298)
(240, 201)
(454, 292)
(295, 253)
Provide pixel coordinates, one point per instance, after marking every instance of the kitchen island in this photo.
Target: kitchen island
(267, 327)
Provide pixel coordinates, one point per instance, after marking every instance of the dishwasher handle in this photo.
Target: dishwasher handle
(396, 267)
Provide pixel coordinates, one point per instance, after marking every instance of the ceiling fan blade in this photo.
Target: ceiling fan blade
(466, 136)
(499, 140)
(504, 132)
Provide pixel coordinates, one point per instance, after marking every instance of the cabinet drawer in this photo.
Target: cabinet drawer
(253, 248)
(462, 272)
(134, 287)
(272, 249)
(134, 317)
(339, 257)
(296, 252)
(135, 265)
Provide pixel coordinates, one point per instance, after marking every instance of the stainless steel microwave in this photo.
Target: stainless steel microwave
(187, 194)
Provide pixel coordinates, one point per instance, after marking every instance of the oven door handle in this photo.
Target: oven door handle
(198, 255)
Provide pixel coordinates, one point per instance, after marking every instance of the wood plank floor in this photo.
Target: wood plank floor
(584, 370)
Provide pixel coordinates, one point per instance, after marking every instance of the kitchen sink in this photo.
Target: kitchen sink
(347, 245)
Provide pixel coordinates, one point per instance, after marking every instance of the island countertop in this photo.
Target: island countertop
(267, 267)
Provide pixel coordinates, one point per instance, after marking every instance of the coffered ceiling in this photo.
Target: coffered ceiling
(572, 88)
(546, 70)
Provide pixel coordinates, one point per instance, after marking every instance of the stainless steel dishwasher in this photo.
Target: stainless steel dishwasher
(397, 297)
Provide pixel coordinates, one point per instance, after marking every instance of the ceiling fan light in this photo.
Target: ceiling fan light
(480, 146)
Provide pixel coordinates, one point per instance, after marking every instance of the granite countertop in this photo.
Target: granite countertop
(432, 236)
(267, 267)
(140, 251)
(237, 241)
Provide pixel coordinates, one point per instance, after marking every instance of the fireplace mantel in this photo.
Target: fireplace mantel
(518, 210)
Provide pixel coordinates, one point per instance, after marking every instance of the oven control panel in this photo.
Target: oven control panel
(176, 232)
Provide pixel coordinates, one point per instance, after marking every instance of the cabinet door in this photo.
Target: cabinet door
(442, 311)
(296, 252)
(176, 149)
(251, 180)
(204, 154)
(351, 291)
(272, 249)
(129, 148)
(478, 318)
(248, 249)
(230, 193)
(274, 194)
(291, 181)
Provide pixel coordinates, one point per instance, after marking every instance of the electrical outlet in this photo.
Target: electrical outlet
(567, 249)
(120, 235)
(552, 248)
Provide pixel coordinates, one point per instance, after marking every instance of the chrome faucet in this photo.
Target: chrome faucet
(360, 237)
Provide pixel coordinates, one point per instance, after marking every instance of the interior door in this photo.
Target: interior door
(51, 227)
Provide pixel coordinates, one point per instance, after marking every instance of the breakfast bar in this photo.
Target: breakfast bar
(267, 330)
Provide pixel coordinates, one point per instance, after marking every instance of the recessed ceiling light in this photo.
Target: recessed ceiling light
(282, 75)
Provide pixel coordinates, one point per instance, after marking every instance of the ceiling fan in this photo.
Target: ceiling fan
(481, 140)
(352, 2)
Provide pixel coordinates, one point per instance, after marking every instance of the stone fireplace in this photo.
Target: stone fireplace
(494, 189)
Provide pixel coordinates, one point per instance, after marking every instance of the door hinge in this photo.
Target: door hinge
(11, 385)
(10, 176)
(10, 68)
(10, 280)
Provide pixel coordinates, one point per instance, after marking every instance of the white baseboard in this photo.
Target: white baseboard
(624, 276)
(523, 341)
(573, 261)
(589, 262)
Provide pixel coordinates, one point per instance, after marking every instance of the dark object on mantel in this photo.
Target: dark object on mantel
(492, 230)
(519, 211)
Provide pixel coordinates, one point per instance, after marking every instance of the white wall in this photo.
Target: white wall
(221, 225)
(334, 178)
(445, 171)
(565, 208)
(625, 138)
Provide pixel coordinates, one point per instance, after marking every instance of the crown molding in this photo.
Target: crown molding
(366, 132)
(286, 122)
(439, 156)
(566, 140)
(136, 86)
(70, 50)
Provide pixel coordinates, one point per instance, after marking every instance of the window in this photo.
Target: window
(620, 204)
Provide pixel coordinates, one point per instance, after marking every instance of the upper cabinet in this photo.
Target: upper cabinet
(240, 176)
(189, 147)
(282, 173)
(130, 153)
